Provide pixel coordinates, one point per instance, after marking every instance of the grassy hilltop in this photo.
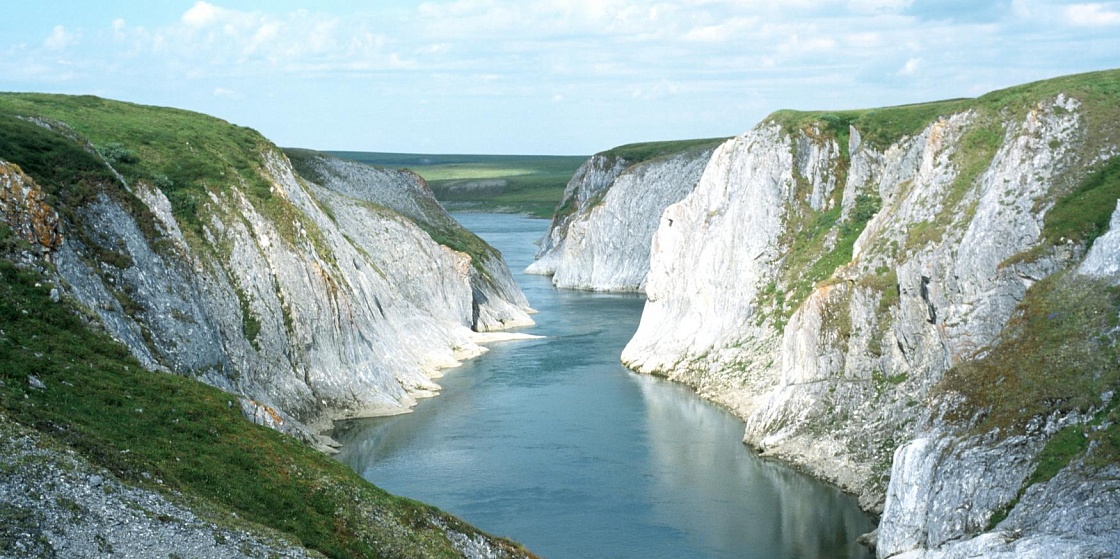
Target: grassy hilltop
(530, 184)
(162, 432)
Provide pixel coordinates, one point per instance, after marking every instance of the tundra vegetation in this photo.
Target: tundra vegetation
(529, 184)
(62, 375)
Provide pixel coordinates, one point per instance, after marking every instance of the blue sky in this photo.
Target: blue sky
(539, 76)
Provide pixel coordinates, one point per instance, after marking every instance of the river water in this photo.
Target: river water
(554, 444)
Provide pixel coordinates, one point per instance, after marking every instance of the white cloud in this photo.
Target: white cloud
(782, 53)
(59, 38)
(119, 28)
(797, 45)
(201, 14)
(879, 5)
(911, 67)
(720, 32)
(228, 93)
(1093, 15)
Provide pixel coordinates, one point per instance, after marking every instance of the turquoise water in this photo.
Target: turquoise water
(554, 444)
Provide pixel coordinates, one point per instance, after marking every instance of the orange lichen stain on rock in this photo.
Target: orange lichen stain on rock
(266, 414)
(271, 411)
(24, 208)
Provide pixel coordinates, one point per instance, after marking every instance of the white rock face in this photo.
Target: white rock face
(344, 307)
(592, 179)
(605, 244)
(738, 203)
(1103, 259)
(497, 300)
(832, 371)
(945, 488)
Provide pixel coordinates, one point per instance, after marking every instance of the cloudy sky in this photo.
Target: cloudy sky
(539, 76)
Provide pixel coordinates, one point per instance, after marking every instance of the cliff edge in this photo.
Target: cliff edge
(600, 234)
(916, 303)
(138, 241)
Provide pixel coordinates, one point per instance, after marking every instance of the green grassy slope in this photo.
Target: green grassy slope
(531, 184)
(647, 151)
(171, 434)
(1082, 206)
(164, 432)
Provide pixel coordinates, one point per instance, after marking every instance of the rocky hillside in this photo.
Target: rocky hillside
(919, 304)
(202, 250)
(197, 247)
(600, 234)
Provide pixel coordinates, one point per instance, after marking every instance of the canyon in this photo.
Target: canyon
(918, 304)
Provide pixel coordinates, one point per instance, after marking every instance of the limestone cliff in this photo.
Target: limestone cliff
(844, 281)
(315, 300)
(497, 302)
(600, 236)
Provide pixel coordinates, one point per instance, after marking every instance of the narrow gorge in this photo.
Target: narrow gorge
(918, 304)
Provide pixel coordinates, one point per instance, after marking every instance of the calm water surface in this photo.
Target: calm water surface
(554, 444)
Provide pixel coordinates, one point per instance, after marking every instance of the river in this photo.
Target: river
(554, 444)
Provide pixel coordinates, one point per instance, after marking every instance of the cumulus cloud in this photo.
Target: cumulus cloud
(228, 93)
(722, 31)
(583, 53)
(1093, 15)
(911, 67)
(201, 15)
(879, 5)
(59, 38)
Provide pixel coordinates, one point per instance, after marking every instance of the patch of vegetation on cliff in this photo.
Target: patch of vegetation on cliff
(184, 154)
(1083, 215)
(71, 177)
(880, 127)
(647, 151)
(188, 440)
(432, 217)
(811, 259)
(1059, 353)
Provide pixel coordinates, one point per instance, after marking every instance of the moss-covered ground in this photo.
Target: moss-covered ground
(185, 154)
(175, 435)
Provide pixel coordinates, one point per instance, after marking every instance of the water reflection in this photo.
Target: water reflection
(553, 443)
(780, 511)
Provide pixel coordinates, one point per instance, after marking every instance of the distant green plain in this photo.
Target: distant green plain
(528, 184)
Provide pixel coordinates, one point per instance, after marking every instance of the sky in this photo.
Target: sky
(560, 77)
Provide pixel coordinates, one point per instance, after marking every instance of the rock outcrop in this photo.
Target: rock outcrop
(600, 236)
(24, 210)
(829, 271)
(339, 296)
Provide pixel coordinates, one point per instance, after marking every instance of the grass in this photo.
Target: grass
(1058, 353)
(174, 435)
(880, 127)
(808, 262)
(530, 184)
(187, 155)
(1084, 214)
(646, 151)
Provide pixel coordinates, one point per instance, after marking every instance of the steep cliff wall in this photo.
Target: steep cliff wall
(830, 269)
(600, 236)
(497, 300)
(318, 300)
